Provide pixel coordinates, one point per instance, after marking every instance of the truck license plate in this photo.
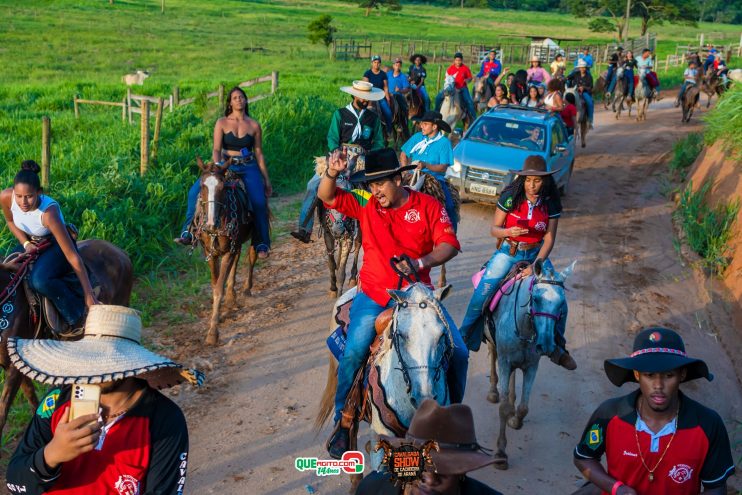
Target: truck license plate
(483, 189)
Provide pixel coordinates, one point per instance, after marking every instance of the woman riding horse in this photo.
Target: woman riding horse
(417, 75)
(238, 140)
(525, 222)
(35, 220)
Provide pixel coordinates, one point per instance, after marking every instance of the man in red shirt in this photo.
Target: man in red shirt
(657, 440)
(462, 76)
(394, 221)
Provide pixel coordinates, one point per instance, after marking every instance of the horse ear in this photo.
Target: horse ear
(201, 164)
(567, 271)
(442, 293)
(397, 295)
(538, 267)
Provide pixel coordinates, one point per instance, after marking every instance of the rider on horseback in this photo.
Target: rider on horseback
(245, 157)
(645, 64)
(376, 76)
(525, 224)
(537, 75)
(584, 83)
(613, 63)
(690, 77)
(462, 76)
(35, 220)
(417, 75)
(558, 66)
(395, 221)
(433, 153)
(352, 124)
(492, 68)
(399, 85)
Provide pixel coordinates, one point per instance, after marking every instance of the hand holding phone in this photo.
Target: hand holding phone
(85, 400)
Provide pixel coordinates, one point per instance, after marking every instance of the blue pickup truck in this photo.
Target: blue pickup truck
(500, 140)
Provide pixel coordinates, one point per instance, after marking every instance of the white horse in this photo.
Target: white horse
(642, 101)
(453, 109)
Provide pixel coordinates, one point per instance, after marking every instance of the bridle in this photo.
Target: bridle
(531, 312)
(395, 336)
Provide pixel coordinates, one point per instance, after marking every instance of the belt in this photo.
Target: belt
(521, 246)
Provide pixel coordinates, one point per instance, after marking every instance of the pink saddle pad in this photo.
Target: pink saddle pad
(477, 277)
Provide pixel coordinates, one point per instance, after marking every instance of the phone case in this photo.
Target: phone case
(85, 400)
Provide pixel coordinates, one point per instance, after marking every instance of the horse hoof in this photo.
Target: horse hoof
(583, 145)
(515, 423)
(247, 293)
(212, 339)
(333, 294)
(493, 397)
(501, 462)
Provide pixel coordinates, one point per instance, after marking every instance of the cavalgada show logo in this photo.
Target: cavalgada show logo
(350, 463)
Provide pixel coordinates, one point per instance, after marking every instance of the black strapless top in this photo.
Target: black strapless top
(233, 143)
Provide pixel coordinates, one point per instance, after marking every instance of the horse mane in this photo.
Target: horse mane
(320, 165)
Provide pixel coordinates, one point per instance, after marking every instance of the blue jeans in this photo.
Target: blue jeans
(386, 112)
(53, 277)
(253, 179)
(465, 96)
(425, 96)
(497, 267)
(450, 207)
(589, 104)
(361, 333)
(609, 78)
(306, 215)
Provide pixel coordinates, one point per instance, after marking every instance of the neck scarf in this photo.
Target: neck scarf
(423, 145)
(357, 129)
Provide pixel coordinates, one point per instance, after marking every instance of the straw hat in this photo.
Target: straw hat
(581, 63)
(109, 350)
(363, 90)
(535, 59)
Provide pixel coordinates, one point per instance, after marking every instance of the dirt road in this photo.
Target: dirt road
(253, 419)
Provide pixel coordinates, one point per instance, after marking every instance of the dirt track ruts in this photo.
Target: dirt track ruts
(254, 418)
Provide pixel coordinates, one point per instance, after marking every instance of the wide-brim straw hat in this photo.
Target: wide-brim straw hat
(534, 165)
(109, 350)
(423, 58)
(656, 350)
(581, 63)
(452, 427)
(535, 59)
(363, 90)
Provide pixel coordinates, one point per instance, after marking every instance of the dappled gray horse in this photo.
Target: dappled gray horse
(524, 324)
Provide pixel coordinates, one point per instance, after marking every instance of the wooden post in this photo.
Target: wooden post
(220, 95)
(46, 154)
(123, 111)
(158, 123)
(162, 6)
(144, 141)
(128, 103)
(176, 95)
(171, 104)
(77, 107)
(438, 80)
(274, 82)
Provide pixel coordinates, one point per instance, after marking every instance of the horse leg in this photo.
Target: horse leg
(354, 268)
(345, 246)
(230, 299)
(13, 379)
(506, 411)
(529, 376)
(212, 336)
(493, 395)
(225, 266)
(355, 479)
(252, 258)
(330, 248)
(442, 278)
(30, 392)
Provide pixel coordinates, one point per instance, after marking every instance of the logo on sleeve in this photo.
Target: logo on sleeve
(127, 485)
(509, 203)
(48, 404)
(412, 216)
(680, 473)
(444, 216)
(594, 437)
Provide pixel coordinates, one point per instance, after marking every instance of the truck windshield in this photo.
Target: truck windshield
(510, 133)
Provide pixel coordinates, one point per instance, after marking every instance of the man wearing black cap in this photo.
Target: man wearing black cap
(395, 222)
(656, 439)
(462, 76)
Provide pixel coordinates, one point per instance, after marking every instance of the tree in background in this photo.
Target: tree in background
(729, 11)
(376, 4)
(656, 12)
(321, 30)
(609, 15)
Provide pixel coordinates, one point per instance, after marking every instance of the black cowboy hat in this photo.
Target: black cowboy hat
(379, 164)
(434, 117)
(423, 58)
(534, 165)
(656, 349)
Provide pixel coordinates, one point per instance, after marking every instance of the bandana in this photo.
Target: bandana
(423, 145)
(357, 129)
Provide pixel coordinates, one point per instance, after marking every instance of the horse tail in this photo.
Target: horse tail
(327, 404)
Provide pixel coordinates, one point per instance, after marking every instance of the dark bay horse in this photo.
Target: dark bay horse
(112, 276)
(712, 85)
(483, 91)
(690, 100)
(415, 103)
(223, 224)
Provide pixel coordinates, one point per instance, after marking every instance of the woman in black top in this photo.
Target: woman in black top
(519, 87)
(417, 75)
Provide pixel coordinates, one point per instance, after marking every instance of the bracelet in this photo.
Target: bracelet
(26, 244)
(420, 265)
(333, 177)
(616, 486)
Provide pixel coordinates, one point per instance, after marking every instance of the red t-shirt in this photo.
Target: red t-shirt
(569, 113)
(413, 229)
(461, 74)
(533, 216)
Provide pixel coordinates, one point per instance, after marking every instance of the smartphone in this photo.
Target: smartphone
(85, 400)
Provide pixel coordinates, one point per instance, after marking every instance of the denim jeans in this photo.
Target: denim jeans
(425, 96)
(609, 78)
(53, 277)
(386, 112)
(306, 215)
(253, 179)
(361, 333)
(465, 96)
(497, 267)
(589, 104)
(450, 207)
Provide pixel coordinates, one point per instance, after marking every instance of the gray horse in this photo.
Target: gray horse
(524, 324)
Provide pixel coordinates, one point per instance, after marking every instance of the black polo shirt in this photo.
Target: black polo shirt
(698, 455)
(376, 79)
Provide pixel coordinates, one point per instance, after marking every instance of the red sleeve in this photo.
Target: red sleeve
(440, 224)
(468, 74)
(346, 203)
(450, 69)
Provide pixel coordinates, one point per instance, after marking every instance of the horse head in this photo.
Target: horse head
(418, 344)
(548, 303)
(212, 192)
(479, 88)
(449, 88)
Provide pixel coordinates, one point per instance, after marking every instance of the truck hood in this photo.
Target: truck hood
(488, 156)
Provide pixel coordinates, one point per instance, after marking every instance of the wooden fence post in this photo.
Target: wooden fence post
(220, 95)
(144, 144)
(77, 107)
(123, 111)
(46, 130)
(158, 123)
(176, 95)
(128, 103)
(274, 81)
(171, 104)
(438, 79)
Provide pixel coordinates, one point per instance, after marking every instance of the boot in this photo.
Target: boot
(563, 359)
(185, 239)
(339, 441)
(302, 236)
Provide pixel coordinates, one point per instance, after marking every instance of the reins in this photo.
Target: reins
(17, 277)
(531, 313)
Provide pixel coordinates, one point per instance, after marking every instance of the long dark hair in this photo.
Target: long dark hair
(521, 77)
(228, 109)
(549, 191)
(29, 174)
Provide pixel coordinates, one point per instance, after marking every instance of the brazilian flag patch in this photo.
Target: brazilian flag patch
(48, 404)
(594, 436)
(509, 203)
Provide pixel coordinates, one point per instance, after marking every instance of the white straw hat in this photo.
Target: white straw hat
(363, 90)
(109, 350)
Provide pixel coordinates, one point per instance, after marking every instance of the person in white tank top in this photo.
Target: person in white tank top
(32, 217)
(553, 99)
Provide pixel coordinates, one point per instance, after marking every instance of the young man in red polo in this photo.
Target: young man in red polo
(462, 77)
(394, 221)
(656, 440)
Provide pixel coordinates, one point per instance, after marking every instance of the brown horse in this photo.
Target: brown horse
(690, 100)
(415, 103)
(112, 277)
(483, 91)
(223, 223)
(712, 85)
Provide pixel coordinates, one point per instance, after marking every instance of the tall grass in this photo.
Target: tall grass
(707, 229)
(725, 121)
(684, 153)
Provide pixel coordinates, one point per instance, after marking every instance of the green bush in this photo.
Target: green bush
(684, 153)
(707, 230)
(725, 121)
